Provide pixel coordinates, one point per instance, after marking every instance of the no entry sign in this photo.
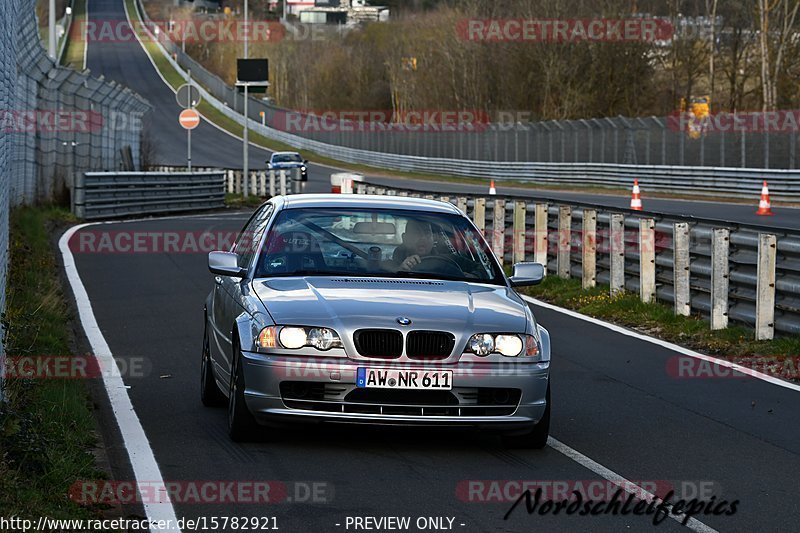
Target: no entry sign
(189, 119)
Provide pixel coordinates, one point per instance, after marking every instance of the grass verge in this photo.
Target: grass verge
(658, 320)
(237, 200)
(76, 40)
(47, 428)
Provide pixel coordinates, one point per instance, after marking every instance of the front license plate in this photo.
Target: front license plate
(387, 378)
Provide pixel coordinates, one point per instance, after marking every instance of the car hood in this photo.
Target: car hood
(347, 304)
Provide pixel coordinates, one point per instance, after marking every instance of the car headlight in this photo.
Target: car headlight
(508, 345)
(483, 344)
(303, 168)
(295, 337)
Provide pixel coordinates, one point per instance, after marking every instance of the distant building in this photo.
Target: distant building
(336, 11)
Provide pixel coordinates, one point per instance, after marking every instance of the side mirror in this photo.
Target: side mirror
(225, 264)
(527, 274)
(305, 161)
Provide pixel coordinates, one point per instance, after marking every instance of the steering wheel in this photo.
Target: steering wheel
(439, 264)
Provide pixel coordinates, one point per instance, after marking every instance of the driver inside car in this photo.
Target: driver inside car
(417, 243)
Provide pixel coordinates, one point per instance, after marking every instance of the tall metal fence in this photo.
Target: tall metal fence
(743, 141)
(8, 77)
(63, 121)
(53, 121)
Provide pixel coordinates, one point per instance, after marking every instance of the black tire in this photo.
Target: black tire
(536, 438)
(242, 425)
(210, 394)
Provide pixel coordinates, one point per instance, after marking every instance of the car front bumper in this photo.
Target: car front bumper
(334, 379)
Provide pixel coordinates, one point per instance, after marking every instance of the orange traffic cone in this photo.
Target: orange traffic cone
(764, 208)
(491, 188)
(636, 199)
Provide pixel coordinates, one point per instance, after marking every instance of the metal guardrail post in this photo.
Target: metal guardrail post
(272, 183)
(519, 232)
(564, 241)
(617, 253)
(499, 229)
(540, 232)
(78, 196)
(589, 249)
(479, 214)
(680, 268)
(765, 287)
(720, 246)
(282, 174)
(647, 260)
(461, 203)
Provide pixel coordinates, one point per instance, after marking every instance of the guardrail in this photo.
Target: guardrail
(722, 271)
(120, 194)
(263, 183)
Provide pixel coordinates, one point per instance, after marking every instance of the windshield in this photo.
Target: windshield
(376, 243)
(287, 158)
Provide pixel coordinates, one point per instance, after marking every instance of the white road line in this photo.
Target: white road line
(143, 461)
(668, 345)
(624, 484)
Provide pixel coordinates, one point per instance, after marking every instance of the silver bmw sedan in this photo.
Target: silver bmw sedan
(372, 309)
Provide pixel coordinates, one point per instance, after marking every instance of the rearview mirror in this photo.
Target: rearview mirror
(527, 274)
(374, 228)
(225, 264)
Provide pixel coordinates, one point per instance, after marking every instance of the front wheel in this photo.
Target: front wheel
(536, 438)
(242, 424)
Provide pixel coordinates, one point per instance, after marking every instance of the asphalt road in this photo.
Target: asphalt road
(615, 401)
(126, 63)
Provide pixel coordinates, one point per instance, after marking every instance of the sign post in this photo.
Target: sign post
(188, 96)
(189, 119)
(250, 73)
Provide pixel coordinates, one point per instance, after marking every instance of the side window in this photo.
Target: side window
(248, 241)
